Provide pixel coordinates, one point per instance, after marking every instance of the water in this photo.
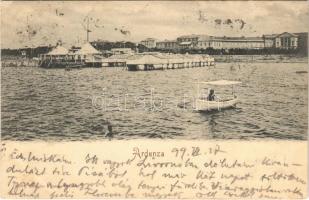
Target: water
(42, 104)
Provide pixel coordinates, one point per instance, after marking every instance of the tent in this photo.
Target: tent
(59, 50)
(146, 59)
(87, 49)
(87, 53)
(118, 60)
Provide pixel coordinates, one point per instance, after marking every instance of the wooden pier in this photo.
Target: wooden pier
(158, 61)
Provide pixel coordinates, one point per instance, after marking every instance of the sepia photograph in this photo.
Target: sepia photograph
(79, 71)
(154, 100)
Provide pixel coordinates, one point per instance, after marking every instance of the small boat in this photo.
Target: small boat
(301, 72)
(203, 103)
(71, 67)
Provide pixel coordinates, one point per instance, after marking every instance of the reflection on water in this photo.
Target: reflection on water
(90, 103)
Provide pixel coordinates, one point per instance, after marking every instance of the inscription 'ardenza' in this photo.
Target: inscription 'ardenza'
(142, 154)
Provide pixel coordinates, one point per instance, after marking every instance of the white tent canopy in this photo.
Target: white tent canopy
(118, 58)
(146, 59)
(59, 50)
(87, 49)
(221, 82)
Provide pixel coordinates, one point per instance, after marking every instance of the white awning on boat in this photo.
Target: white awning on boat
(221, 82)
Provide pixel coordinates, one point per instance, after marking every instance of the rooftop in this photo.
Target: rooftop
(147, 39)
(239, 38)
(302, 34)
(286, 33)
(193, 36)
(270, 35)
(87, 48)
(58, 50)
(167, 41)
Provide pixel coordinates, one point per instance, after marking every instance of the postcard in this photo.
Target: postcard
(154, 100)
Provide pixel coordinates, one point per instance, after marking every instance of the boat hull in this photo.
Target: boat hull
(204, 105)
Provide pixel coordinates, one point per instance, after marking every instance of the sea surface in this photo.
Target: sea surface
(104, 103)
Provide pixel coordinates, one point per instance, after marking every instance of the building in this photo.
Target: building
(302, 43)
(190, 41)
(209, 42)
(116, 51)
(117, 60)
(58, 53)
(167, 44)
(269, 40)
(149, 43)
(162, 61)
(242, 42)
(281, 41)
(87, 51)
(60, 57)
(205, 41)
(230, 43)
(23, 53)
(89, 55)
(74, 49)
(286, 41)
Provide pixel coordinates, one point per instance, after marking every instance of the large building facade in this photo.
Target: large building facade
(167, 44)
(242, 43)
(149, 43)
(188, 41)
(286, 41)
(269, 40)
(280, 41)
(231, 43)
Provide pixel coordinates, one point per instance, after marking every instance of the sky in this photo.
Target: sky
(43, 23)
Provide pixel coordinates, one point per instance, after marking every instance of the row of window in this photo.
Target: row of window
(187, 39)
(283, 42)
(286, 44)
(219, 44)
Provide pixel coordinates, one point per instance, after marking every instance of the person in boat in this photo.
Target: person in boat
(211, 96)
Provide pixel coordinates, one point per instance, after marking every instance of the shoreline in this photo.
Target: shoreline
(28, 62)
(261, 58)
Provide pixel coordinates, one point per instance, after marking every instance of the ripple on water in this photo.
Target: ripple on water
(40, 104)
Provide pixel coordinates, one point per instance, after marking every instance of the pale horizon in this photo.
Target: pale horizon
(48, 22)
